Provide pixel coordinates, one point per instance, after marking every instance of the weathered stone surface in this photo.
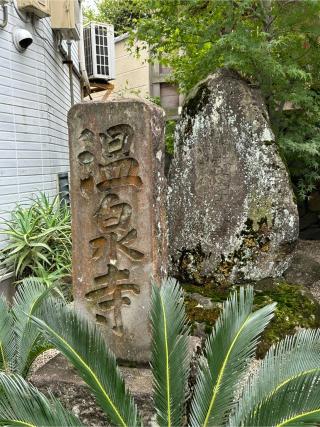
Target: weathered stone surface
(118, 217)
(232, 214)
(202, 301)
(60, 378)
(304, 269)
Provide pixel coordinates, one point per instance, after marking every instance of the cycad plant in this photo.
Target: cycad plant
(285, 391)
(20, 339)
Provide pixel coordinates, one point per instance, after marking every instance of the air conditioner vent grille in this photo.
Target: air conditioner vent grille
(99, 51)
(88, 50)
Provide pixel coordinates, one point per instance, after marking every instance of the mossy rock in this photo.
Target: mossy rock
(295, 309)
(201, 315)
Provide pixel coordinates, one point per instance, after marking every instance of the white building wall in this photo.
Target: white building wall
(34, 101)
(132, 74)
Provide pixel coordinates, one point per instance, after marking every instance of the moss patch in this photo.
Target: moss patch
(215, 293)
(198, 314)
(260, 209)
(295, 309)
(201, 315)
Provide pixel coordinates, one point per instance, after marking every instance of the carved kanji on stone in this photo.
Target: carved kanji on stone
(119, 173)
(113, 218)
(119, 221)
(110, 295)
(110, 245)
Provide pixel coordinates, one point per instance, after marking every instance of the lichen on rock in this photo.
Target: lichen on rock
(231, 209)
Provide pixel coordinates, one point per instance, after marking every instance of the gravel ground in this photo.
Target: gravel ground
(310, 248)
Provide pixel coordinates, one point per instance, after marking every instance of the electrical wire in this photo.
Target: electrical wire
(25, 20)
(33, 22)
(4, 22)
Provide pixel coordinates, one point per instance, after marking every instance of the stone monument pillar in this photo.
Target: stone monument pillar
(118, 217)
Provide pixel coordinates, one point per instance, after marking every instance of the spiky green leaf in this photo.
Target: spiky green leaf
(7, 337)
(294, 357)
(170, 355)
(228, 351)
(296, 403)
(83, 344)
(27, 301)
(21, 404)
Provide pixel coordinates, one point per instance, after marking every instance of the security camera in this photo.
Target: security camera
(22, 39)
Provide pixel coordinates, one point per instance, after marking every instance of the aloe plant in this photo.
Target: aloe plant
(39, 238)
(285, 391)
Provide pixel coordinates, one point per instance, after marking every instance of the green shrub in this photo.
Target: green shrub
(39, 239)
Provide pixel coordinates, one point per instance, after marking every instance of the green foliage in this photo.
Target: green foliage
(285, 391)
(169, 136)
(272, 43)
(20, 339)
(84, 346)
(236, 335)
(155, 99)
(285, 406)
(170, 355)
(39, 239)
(19, 400)
(296, 357)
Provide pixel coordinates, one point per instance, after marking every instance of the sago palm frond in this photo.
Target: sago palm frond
(296, 356)
(7, 337)
(297, 403)
(27, 300)
(83, 344)
(170, 355)
(228, 351)
(21, 404)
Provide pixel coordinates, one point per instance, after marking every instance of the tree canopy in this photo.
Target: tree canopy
(274, 44)
(123, 14)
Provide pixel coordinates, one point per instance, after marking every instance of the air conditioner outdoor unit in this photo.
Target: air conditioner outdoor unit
(41, 8)
(65, 17)
(99, 51)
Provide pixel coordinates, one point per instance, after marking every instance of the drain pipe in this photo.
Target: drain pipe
(69, 62)
(82, 64)
(64, 55)
(4, 22)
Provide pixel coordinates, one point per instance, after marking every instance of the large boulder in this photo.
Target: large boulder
(232, 215)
